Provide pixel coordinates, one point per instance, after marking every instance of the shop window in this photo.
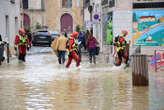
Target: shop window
(107, 29)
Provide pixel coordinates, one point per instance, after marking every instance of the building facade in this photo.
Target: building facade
(96, 20)
(143, 19)
(148, 23)
(10, 20)
(64, 15)
(86, 15)
(34, 14)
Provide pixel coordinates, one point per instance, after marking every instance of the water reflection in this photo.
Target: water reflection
(140, 98)
(42, 84)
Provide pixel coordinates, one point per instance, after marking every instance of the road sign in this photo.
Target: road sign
(96, 16)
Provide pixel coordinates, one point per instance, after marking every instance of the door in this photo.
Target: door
(66, 23)
(26, 21)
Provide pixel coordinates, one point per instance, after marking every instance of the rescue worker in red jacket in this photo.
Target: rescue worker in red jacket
(120, 44)
(72, 49)
(22, 43)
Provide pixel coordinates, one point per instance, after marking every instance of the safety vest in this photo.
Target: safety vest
(74, 45)
(119, 47)
(22, 40)
(1, 42)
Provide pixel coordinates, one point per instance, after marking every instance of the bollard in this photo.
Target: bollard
(127, 49)
(1, 52)
(8, 53)
(140, 70)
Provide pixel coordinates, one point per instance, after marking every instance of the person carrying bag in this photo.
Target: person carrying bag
(93, 49)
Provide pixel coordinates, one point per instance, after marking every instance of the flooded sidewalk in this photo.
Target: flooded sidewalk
(42, 84)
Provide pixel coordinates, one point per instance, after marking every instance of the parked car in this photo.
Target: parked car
(54, 34)
(41, 37)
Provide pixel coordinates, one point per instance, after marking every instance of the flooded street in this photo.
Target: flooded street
(42, 84)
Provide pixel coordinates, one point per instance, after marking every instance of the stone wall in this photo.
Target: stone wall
(36, 17)
(54, 11)
(36, 13)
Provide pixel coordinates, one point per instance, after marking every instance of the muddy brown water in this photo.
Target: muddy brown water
(42, 84)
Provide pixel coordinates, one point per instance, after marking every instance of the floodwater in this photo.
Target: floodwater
(42, 84)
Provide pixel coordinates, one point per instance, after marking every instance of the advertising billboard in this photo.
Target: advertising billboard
(148, 27)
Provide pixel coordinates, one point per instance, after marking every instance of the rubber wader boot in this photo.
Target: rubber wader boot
(59, 60)
(90, 59)
(94, 59)
(24, 57)
(63, 61)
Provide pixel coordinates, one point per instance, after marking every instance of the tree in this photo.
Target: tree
(38, 26)
(28, 28)
(78, 29)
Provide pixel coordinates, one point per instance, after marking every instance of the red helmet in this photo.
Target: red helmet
(22, 31)
(121, 39)
(124, 32)
(71, 35)
(75, 34)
